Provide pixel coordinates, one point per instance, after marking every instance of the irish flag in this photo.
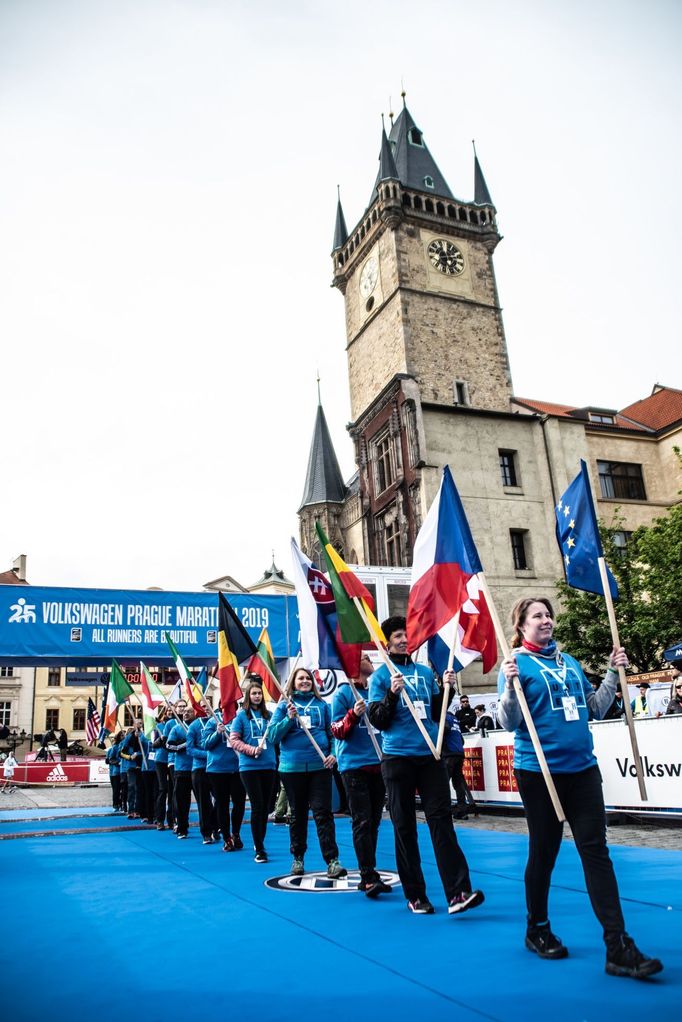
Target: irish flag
(151, 698)
(118, 691)
(262, 663)
(347, 587)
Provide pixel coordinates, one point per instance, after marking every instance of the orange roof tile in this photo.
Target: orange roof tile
(8, 578)
(566, 412)
(660, 409)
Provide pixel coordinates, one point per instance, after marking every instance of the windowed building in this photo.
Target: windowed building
(431, 384)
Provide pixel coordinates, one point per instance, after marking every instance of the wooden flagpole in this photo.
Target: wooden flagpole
(394, 670)
(447, 686)
(623, 680)
(520, 695)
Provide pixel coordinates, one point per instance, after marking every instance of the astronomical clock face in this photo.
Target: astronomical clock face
(446, 257)
(369, 277)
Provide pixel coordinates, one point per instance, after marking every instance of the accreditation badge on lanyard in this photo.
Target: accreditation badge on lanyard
(259, 723)
(570, 707)
(412, 684)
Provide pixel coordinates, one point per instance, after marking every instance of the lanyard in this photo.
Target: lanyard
(559, 677)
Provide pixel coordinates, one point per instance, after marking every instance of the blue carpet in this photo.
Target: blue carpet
(138, 921)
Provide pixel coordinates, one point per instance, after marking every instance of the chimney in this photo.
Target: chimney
(19, 567)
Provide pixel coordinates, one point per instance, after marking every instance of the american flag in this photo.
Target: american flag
(92, 724)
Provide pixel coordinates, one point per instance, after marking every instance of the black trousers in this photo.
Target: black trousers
(133, 777)
(115, 790)
(146, 794)
(163, 806)
(123, 779)
(453, 767)
(581, 796)
(228, 788)
(366, 793)
(259, 785)
(201, 786)
(307, 791)
(183, 799)
(403, 776)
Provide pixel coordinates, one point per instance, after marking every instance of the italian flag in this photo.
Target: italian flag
(262, 663)
(118, 692)
(151, 698)
(186, 677)
(347, 587)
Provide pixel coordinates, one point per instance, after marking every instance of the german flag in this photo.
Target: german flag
(235, 645)
(262, 664)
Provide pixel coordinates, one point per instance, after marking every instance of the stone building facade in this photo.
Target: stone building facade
(430, 384)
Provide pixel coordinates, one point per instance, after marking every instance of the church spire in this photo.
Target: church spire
(324, 483)
(412, 163)
(481, 193)
(340, 229)
(387, 167)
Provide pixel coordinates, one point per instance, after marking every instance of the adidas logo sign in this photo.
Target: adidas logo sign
(57, 774)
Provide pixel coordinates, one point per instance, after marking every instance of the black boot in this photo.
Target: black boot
(544, 943)
(623, 958)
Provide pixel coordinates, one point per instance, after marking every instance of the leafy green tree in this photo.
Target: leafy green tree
(649, 609)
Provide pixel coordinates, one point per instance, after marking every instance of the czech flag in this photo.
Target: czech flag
(445, 558)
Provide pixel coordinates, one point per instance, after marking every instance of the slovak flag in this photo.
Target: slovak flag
(321, 644)
(475, 635)
(444, 560)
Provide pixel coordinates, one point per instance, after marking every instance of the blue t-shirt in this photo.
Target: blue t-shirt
(567, 744)
(220, 756)
(356, 750)
(402, 737)
(250, 730)
(296, 752)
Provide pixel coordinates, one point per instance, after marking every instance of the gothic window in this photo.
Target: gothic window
(384, 464)
(508, 468)
(620, 479)
(79, 719)
(392, 543)
(410, 428)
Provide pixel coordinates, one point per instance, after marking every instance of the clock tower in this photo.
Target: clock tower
(424, 332)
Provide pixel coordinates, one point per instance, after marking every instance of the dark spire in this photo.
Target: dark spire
(414, 165)
(481, 193)
(340, 229)
(324, 483)
(387, 167)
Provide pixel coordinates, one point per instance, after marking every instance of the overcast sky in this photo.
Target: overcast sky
(167, 198)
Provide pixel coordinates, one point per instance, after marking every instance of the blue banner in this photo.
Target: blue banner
(90, 627)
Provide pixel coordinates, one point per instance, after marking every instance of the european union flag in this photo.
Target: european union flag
(578, 537)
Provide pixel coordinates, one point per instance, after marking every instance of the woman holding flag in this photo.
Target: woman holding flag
(560, 700)
(222, 772)
(306, 777)
(257, 761)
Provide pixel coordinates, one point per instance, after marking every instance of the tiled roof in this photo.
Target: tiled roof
(571, 412)
(662, 408)
(8, 578)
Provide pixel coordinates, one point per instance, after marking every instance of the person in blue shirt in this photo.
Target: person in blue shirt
(176, 743)
(163, 805)
(409, 766)
(147, 781)
(560, 700)
(113, 758)
(201, 785)
(306, 778)
(222, 770)
(257, 761)
(360, 770)
(133, 756)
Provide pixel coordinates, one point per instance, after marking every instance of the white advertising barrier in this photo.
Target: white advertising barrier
(99, 772)
(489, 765)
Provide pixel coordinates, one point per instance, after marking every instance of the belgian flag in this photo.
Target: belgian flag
(235, 646)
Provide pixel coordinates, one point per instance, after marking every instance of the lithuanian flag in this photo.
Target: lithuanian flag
(235, 645)
(346, 588)
(262, 663)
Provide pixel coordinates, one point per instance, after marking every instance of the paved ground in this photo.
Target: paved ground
(624, 831)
